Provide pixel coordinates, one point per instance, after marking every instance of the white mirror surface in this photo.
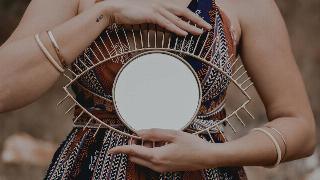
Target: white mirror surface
(156, 90)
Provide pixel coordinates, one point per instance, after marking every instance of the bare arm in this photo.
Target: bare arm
(25, 73)
(268, 57)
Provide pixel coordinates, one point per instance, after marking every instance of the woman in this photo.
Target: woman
(268, 60)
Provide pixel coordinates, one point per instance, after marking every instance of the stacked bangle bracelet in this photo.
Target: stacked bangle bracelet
(282, 138)
(275, 142)
(57, 49)
(49, 56)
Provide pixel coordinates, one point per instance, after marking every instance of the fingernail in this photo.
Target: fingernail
(209, 26)
(184, 34)
(200, 31)
(109, 152)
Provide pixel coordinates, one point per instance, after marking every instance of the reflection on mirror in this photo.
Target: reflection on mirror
(156, 89)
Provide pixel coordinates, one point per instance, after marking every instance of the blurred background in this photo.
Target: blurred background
(40, 127)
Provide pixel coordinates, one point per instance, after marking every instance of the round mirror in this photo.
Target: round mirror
(156, 89)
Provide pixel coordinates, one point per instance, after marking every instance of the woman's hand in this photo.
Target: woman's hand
(86, 4)
(184, 151)
(164, 13)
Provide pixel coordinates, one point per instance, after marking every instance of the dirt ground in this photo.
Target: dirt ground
(44, 121)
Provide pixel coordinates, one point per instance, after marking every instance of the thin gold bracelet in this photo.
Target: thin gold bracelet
(282, 137)
(57, 49)
(47, 54)
(275, 143)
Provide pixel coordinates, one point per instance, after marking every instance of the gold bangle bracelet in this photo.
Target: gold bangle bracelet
(57, 49)
(275, 143)
(47, 54)
(282, 137)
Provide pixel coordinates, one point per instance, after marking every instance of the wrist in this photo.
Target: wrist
(109, 7)
(210, 155)
(219, 155)
(215, 154)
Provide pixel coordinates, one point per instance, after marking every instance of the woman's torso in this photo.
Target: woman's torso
(94, 88)
(83, 153)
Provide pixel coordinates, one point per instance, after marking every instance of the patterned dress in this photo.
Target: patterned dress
(83, 154)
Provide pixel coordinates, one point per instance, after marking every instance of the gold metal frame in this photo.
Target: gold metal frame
(140, 47)
(167, 53)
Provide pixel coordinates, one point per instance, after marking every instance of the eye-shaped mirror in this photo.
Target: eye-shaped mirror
(158, 105)
(156, 89)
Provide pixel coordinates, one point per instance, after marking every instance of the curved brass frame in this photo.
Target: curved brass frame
(243, 86)
(167, 53)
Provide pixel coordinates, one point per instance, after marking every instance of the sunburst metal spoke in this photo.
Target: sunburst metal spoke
(239, 118)
(62, 100)
(76, 119)
(137, 40)
(105, 47)
(69, 110)
(87, 124)
(210, 136)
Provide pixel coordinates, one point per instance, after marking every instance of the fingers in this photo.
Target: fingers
(136, 154)
(195, 19)
(165, 23)
(141, 161)
(133, 150)
(85, 4)
(180, 23)
(156, 134)
(148, 144)
(188, 14)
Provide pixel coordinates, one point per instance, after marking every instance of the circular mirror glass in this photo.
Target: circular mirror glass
(156, 90)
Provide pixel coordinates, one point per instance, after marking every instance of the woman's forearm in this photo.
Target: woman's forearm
(26, 73)
(257, 149)
(78, 33)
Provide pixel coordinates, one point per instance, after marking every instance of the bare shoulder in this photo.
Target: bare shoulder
(230, 9)
(43, 14)
(258, 12)
(248, 13)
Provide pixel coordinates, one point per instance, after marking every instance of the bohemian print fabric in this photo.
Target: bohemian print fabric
(83, 154)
